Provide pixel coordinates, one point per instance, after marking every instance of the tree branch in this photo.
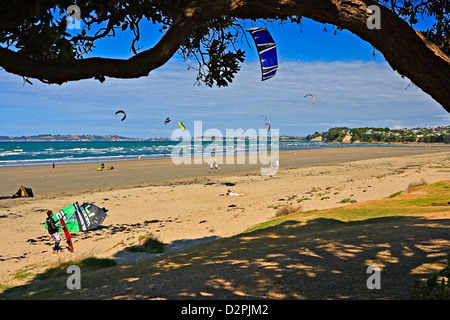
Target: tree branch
(137, 66)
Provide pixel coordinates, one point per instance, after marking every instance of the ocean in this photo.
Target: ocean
(42, 153)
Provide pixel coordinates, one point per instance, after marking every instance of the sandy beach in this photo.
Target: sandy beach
(185, 204)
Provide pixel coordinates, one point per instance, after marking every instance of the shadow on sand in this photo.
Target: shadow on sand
(322, 259)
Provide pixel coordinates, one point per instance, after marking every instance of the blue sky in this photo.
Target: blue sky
(352, 87)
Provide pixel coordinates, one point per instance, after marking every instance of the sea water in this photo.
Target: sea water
(40, 153)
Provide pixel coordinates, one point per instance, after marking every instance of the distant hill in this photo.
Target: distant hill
(68, 137)
(382, 135)
(49, 137)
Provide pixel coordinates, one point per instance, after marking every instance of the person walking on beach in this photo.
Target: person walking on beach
(211, 167)
(216, 166)
(53, 230)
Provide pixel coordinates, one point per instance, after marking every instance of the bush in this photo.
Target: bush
(148, 244)
(436, 287)
(285, 210)
(416, 183)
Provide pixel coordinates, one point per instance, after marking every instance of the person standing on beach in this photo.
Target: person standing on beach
(211, 167)
(216, 166)
(53, 165)
(53, 230)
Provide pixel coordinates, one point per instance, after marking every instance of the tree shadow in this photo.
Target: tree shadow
(320, 259)
(125, 256)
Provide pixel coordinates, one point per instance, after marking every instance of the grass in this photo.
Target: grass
(149, 244)
(398, 204)
(396, 194)
(86, 265)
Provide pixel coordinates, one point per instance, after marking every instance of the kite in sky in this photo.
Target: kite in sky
(124, 114)
(311, 95)
(267, 50)
(181, 126)
(268, 125)
(167, 121)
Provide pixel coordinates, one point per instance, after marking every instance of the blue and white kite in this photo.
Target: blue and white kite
(267, 50)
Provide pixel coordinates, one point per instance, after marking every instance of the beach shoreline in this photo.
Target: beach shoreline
(70, 177)
(185, 204)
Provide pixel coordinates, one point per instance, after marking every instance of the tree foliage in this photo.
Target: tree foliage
(39, 30)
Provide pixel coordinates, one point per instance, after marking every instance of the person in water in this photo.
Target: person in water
(53, 230)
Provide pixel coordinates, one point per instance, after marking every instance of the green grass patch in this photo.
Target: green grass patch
(148, 244)
(86, 265)
(396, 194)
(419, 200)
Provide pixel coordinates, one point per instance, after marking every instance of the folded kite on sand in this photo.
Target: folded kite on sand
(23, 192)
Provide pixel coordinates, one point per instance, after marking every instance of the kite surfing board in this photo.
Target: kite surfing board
(67, 234)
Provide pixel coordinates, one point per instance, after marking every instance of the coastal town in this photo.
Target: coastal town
(439, 134)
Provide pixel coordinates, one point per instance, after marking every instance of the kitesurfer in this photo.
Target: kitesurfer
(53, 230)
